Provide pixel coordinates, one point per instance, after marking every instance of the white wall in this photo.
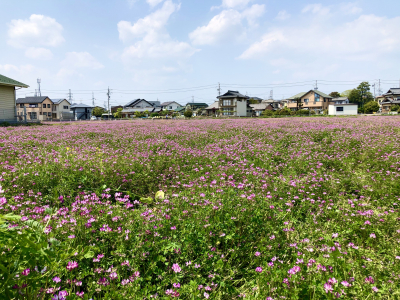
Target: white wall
(172, 106)
(241, 108)
(347, 110)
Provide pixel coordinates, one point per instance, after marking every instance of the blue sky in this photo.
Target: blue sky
(172, 50)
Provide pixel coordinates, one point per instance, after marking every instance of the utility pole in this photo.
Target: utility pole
(70, 96)
(219, 89)
(379, 88)
(108, 105)
(271, 95)
(374, 90)
(316, 85)
(93, 99)
(39, 92)
(192, 99)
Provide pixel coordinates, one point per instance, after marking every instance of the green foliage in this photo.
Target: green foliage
(303, 112)
(361, 94)
(371, 107)
(335, 94)
(253, 101)
(188, 113)
(395, 107)
(98, 111)
(154, 115)
(346, 93)
(284, 112)
(267, 113)
(118, 113)
(139, 114)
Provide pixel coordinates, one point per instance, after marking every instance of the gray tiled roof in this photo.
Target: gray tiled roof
(215, 105)
(58, 101)
(340, 99)
(80, 105)
(232, 94)
(31, 100)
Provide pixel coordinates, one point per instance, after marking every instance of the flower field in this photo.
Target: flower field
(299, 208)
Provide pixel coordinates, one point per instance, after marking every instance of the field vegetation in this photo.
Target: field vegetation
(299, 208)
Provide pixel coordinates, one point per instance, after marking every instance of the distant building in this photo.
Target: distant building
(8, 110)
(259, 108)
(340, 100)
(140, 105)
(38, 108)
(392, 97)
(213, 109)
(81, 111)
(172, 105)
(342, 109)
(232, 103)
(61, 109)
(313, 100)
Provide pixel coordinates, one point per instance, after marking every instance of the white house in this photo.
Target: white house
(342, 109)
(8, 87)
(61, 109)
(170, 105)
(232, 103)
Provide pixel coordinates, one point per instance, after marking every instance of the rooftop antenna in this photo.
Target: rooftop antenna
(219, 89)
(39, 92)
(316, 85)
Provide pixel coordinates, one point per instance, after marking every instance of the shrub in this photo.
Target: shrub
(188, 114)
(267, 113)
(395, 107)
(371, 107)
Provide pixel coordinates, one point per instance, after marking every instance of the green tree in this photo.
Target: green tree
(346, 93)
(118, 113)
(188, 114)
(354, 96)
(267, 113)
(395, 107)
(335, 94)
(98, 111)
(371, 107)
(299, 105)
(361, 94)
(253, 101)
(138, 114)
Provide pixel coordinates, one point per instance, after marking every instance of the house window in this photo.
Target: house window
(226, 102)
(49, 114)
(44, 105)
(33, 105)
(170, 107)
(48, 105)
(306, 100)
(317, 97)
(32, 115)
(339, 108)
(21, 105)
(65, 106)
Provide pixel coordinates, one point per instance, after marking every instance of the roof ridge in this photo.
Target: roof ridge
(9, 81)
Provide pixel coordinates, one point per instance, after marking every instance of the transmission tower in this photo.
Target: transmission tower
(39, 92)
(70, 96)
(271, 95)
(93, 99)
(219, 89)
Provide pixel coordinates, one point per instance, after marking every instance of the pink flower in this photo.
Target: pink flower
(71, 236)
(80, 294)
(259, 269)
(332, 280)
(125, 282)
(294, 270)
(113, 275)
(345, 284)
(72, 265)
(206, 295)
(57, 279)
(328, 287)
(372, 235)
(176, 285)
(257, 254)
(335, 235)
(176, 268)
(26, 272)
(173, 228)
(375, 289)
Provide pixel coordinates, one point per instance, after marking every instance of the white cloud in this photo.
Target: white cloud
(154, 41)
(226, 26)
(223, 26)
(153, 3)
(38, 30)
(76, 60)
(350, 8)
(316, 9)
(283, 15)
(364, 38)
(39, 53)
(235, 3)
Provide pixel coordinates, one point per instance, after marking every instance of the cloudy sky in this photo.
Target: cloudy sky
(173, 50)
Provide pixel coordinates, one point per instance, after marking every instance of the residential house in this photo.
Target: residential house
(81, 111)
(313, 100)
(380, 99)
(38, 108)
(196, 108)
(232, 103)
(61, 109)
(340, 100)
(140, 105)
(392, 97)
(114, 109)
(172, 105)
(342, 109)
(259, 100)
(180, 110)
(259, 108)
(213, 109)
(275, 104)
(8, 87)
